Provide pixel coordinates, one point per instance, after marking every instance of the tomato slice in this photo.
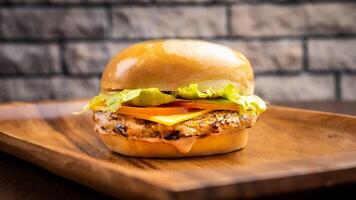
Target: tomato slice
(149, 111)
(206, 105)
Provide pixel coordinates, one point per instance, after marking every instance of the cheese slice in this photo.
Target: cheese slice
(170, 120)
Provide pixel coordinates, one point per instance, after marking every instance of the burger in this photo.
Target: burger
(176, 98)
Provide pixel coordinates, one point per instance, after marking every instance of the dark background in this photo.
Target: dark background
(56, 49)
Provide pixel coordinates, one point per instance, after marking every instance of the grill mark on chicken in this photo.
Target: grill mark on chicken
(119, 128)
(204, 125)
(174, 135)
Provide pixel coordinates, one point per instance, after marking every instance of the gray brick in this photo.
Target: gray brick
(296, 88)
(29, 89)
(279, 20)
(84, 58)
(204, 1)
(29, 59)
(185, 1)
(29, 1)
(169, 22)
(348, 87)
(267, 20)
(52, 23)
(332, 54)
(331, 18)
(265, 56)
(68, 88)
(91, 1)
(110, 1)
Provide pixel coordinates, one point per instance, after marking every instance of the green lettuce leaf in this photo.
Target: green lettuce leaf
(153, 97)
(138, 97)
(192, 92)
(114, 100)
(247, 103)
(96, 103)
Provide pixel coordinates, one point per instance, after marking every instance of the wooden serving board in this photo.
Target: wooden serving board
(288, 150)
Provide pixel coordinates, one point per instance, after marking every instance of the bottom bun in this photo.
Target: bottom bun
(209, 145)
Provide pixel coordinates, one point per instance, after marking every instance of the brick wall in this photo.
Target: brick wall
(56, 49)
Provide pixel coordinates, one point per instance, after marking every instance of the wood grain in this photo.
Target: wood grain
(289, 149)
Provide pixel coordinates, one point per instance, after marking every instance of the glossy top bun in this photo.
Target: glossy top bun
(169, 64)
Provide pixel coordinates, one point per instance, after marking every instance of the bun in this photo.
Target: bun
(169, 64)
(210, 145)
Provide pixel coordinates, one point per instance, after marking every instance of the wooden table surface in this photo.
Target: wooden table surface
(22, 180)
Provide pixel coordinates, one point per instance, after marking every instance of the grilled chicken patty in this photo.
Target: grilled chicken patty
(210, 123)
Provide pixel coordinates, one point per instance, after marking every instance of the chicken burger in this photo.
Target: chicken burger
(176, 98)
